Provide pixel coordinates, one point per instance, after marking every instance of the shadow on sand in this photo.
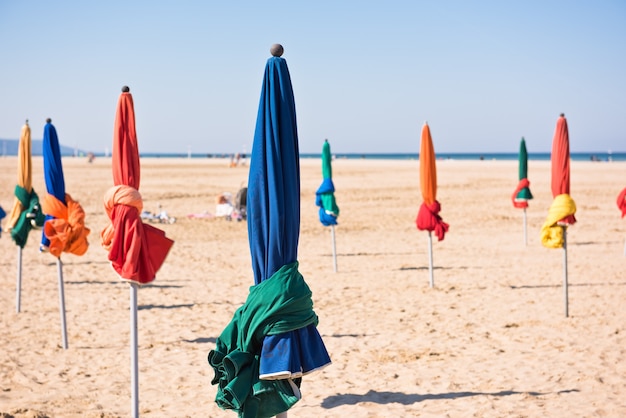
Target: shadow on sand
(547, 286)
(147, 307)
(202, 340)
(411, 398)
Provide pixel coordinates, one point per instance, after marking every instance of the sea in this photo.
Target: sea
(503, 156)
(9, 147)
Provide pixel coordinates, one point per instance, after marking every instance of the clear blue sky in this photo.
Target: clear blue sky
(366, 74)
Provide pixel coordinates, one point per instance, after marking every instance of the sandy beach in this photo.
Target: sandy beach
(489, 340)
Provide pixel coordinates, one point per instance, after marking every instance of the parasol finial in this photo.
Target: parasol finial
(425, 122)
(277, 50)
(562, 115)
(26, 122)
(125, 89)
(48, 120)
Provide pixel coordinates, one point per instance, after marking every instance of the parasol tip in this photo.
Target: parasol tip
(277, 50)
(425, 122)
(48, 120)
(125, 89)
(562, 115)
(26, 122)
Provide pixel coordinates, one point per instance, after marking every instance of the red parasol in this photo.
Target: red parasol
(136, 250)
(621, 202)
(563, 208)
(560, 164)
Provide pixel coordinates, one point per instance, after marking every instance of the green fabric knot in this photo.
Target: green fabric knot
(279, 304)
(31, 216)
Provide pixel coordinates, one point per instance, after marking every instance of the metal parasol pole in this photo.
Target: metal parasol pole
(134, 368)
(430, 259)
(332, 233)
(62, 303)
(19, 280)
(565, 270)
(282, 415)
(525, 229)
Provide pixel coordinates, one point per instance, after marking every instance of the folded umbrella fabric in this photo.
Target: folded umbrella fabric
(325, 199)
(428, 219)
(562, 207)
(66, 232)
(621, 202)
(279, 304)
(517, 202)
(26, 214)
(136, 250)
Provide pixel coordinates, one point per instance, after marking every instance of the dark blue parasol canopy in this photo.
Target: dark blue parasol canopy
(52, 169)
(274, 217)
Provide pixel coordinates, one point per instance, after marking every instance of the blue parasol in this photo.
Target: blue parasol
(55, 185)
(276, 327)
(274, 216)
(2, 215)
(52, 170)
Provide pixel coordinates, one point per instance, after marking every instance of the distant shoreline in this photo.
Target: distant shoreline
(8, 147)
(541, 156)
(575, 156)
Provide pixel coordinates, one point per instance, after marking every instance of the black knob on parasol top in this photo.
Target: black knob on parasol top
(277, 50)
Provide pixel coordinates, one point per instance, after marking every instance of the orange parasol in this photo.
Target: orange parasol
(428, 218)
(428, 169)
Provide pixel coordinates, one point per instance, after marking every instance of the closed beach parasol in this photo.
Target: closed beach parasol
(272, 339)
(64, 228)
(563, 208)
(522, 193)
(3, 214)
(136, 250)
(325, 198)
(621, 205)
(428, 218)
(26, 212)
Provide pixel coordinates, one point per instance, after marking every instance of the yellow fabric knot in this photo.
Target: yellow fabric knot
(552, 233)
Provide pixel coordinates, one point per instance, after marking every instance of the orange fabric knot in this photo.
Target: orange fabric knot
(67, 231)
(118, 195)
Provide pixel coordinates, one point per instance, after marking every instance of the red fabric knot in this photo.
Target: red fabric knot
(523, 183)
(428, 219)
(621, 202)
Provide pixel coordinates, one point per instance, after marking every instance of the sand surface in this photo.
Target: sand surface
(489, 340)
